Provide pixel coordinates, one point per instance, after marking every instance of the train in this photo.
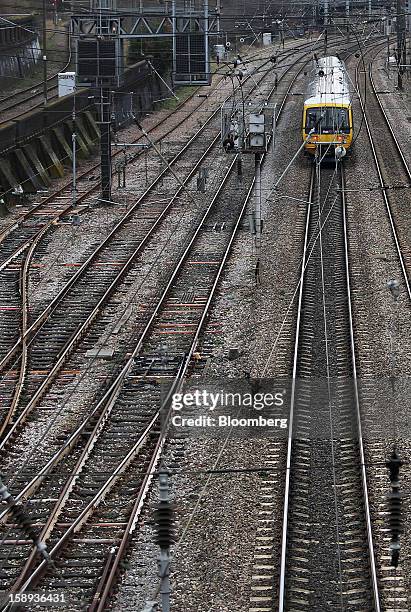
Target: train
(327, 122)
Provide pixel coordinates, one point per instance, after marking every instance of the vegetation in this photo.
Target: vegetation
(160, 49)
(182, 92)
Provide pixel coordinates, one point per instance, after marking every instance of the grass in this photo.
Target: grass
(182, 92)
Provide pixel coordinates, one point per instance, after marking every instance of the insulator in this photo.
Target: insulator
(24, 521)
(395, 556)
(164, 519)
(394, 465)
(394, 508)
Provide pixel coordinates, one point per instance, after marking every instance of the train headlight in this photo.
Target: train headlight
(340, 152)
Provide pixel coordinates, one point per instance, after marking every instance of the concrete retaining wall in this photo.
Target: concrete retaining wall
(37, 147)
(19, 48)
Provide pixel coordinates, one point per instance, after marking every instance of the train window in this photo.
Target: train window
(328, 120)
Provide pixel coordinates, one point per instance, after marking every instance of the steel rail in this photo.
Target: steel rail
(194, 342)
(68, 186)
(79, 333)
(284, 101)
(100, 604)
(195, 339)
(114, 391)
(101, 601)
(284, 542)
(115, 558)
(65, 448)
(50, 199)
(364, 479)
(388, 124)
(70, 443)
(289, 463)
(32, 330)
(120, 552)
(30, 89)
(113, 394)
(384, 190)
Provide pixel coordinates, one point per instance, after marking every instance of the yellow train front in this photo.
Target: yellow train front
(327, 125)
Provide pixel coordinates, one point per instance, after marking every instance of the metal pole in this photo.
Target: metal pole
(388, 53)
(74, 143)
(218, 12)
(206, 30)
(326, 12)
(105, 146)
(347, 8)
(401, 48)
(44, 44)
(174, 20)
(258, 224)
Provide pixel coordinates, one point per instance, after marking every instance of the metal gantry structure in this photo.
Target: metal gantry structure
(100, 32)
(99, 36)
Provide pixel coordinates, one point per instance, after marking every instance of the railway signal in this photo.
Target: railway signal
(250, 130)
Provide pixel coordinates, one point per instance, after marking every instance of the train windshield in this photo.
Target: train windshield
(328, 120)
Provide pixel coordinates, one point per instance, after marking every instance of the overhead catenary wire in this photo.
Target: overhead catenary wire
(125, 308)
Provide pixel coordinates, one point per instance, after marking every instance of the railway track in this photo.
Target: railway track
(106, 265)
(305, 588)
(393, 179)
(116, 248)
(21, 232)
(150, 363)
(29, 230)
(170, 317)
(327, 554)
(29, 94)
(131, 412)
(393, 170)
(88, 422)
(20, 240)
